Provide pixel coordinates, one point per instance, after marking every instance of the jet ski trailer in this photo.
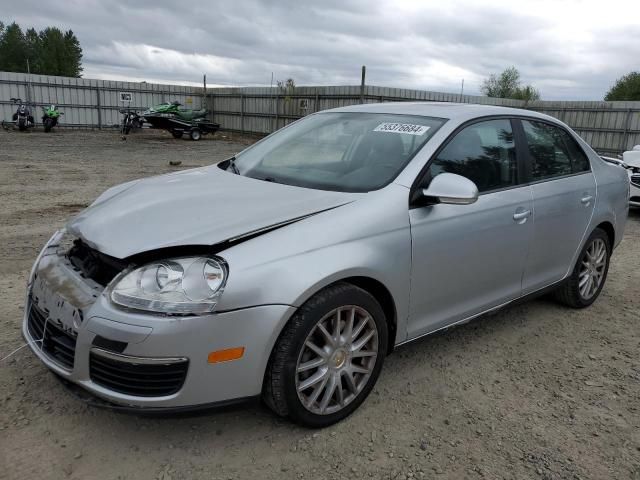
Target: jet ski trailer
(178, 127)
(168, 117)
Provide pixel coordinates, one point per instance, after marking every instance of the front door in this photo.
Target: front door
(467, 259)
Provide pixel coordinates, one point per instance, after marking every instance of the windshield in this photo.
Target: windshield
(349, 152)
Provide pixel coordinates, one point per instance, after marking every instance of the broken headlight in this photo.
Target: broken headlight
(178, 286)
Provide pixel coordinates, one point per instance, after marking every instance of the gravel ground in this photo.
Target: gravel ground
(535, 391)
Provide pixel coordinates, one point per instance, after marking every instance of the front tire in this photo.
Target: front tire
(589, 274)
(328, 357)
(48, 125)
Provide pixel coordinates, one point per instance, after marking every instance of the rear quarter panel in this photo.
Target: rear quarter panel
(612, 200)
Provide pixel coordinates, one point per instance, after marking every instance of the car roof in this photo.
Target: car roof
(452, 111)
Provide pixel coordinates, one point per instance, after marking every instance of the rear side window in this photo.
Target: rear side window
(579, 160)
(553, 152)
(483, 152)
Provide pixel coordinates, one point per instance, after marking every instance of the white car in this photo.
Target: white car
(632, 161)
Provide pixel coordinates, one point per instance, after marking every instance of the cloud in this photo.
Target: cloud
(570, 49)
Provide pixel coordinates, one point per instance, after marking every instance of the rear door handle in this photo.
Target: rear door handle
(586, 199)
(521, 215)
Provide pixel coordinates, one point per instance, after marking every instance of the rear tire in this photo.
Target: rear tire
(589, 274)
(176, 134)
(339, 338)
(48, 125)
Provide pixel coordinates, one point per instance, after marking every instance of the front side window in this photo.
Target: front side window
(552, 151)
(483, 152)
(352, 152)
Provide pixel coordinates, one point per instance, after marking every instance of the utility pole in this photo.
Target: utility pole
(364, 73)
(462, 90)
(273, 106)
(28, 83)
(204, 91)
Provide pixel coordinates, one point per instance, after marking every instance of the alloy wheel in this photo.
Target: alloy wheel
(592, 268)
(337, 360)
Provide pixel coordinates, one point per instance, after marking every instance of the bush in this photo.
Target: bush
(626, 87)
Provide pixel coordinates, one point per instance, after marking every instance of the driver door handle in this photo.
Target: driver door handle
(521, 215)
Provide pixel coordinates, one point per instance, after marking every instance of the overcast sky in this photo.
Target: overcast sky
(571, 49)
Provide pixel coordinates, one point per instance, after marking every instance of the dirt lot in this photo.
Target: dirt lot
(536, 391)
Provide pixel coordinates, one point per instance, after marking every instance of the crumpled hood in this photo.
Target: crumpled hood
(203, 206)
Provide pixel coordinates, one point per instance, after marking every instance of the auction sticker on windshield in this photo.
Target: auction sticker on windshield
(406, 128)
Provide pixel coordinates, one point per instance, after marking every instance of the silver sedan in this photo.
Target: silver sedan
(290, 271)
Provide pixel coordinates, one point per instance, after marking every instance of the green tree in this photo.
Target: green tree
(626, 87)
(73, 55)
(508, 85)
(12, 49)
(49, 52)
(32, 50)
(527, 93)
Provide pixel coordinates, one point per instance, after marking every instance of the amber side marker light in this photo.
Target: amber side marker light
(226, 355)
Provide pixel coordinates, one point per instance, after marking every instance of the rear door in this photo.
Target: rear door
(564, 194)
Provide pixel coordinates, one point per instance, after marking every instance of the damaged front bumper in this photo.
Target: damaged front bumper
(137, 360)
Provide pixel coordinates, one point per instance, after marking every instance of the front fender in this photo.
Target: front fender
(368, 238)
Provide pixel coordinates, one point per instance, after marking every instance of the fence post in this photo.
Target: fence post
(315, 104)
(213, 110)
(242, 113)
(98, 105)
(364, 72)
(277, 112)
(627, 127)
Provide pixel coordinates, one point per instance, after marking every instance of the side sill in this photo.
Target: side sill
(517, 301)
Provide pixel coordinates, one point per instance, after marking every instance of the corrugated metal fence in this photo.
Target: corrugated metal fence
(610, 127)
(87, 103)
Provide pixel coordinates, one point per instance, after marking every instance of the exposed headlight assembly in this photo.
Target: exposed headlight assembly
(178, 286)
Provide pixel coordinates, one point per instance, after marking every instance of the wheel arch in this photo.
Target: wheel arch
(609, 229)
(374, 287)
(382, 294)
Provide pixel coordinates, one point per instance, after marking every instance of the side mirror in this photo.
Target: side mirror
(452, 188)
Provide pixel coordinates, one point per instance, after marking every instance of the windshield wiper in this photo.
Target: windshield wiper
(233, 166)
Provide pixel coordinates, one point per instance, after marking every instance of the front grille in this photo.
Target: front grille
(635, 179)
(93, 264)
(54, 341)
(138, 379)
